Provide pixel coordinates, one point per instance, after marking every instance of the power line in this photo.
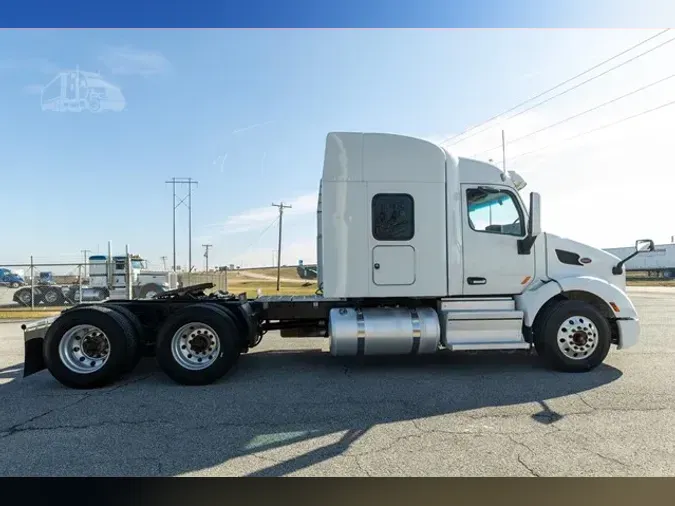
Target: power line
(633, 92)
(248, 248)
(563, 83)
(593, 130)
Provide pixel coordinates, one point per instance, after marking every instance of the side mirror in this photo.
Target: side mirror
(641, 246)
(644, 245)
(534, 226)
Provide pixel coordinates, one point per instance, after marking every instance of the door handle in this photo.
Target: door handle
(476, 281)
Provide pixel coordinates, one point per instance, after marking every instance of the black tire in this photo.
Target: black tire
(53, 296)
(227, 332)
(23, 297)
(120, 335)
(539, 323)
(150, 288)
(546, 338)
(138, 338)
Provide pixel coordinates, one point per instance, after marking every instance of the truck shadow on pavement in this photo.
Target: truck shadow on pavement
(277, 413)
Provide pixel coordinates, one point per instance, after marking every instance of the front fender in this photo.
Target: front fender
(623, 310)
(618, 301)
(532, 300)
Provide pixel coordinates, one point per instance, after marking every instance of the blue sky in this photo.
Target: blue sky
(246, 112)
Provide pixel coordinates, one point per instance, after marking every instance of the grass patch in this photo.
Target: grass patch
(286, 272)
(250, 287)
(650, 282)
(27, 314)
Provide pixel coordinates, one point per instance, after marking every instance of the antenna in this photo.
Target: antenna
(503, 156)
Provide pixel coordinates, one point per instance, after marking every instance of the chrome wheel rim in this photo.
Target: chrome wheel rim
(51, 296)
(577, 337)
(195, 346)
(84, 349)
(150, 294)
(25, 297)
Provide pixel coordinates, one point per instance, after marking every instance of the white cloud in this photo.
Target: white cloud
(262, 217)
(302, 249)
(33, 89)
(126, 60)
(41, 65)
(250, 127)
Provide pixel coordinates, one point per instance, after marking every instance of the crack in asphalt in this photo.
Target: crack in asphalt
(19, 427)
(360, 465)
(529, 469)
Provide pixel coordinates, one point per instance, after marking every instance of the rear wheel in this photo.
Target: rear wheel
(150, 291)
(23, 297)
(573, 336)
(88, 347)
(53, 297)
(138, 337)
(198, 345)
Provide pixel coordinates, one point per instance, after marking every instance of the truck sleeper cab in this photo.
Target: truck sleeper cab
(418, 250)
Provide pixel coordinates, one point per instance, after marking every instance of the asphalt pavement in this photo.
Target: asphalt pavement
(291, 409)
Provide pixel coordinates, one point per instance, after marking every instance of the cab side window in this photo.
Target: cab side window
(393, 217)
(494, 211)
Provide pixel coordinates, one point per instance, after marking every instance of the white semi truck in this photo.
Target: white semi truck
(418, 251)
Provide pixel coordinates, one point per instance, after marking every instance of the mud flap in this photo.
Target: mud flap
(33, 360)
(34, 334)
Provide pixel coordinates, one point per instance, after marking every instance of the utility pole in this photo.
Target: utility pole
(84, 253)
(189, 182)
(206, 254)
(281, 207)
(163, 259)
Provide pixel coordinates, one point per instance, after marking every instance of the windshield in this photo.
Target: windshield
(137, 264)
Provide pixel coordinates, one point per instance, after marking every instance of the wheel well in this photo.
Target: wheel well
(580, 295)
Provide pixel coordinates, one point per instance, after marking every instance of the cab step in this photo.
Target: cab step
(481, 324)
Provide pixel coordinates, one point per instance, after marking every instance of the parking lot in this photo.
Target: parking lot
(291, 409)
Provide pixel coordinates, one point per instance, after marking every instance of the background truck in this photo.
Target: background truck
(107, 279)
(418, 251)
(10, 278)
(306, 271)
(657, 263)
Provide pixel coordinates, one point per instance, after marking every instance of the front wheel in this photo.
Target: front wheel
(573, 337)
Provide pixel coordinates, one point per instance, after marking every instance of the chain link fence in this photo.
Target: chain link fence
(45, 285)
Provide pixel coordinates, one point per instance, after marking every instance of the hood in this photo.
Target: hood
(568, 258)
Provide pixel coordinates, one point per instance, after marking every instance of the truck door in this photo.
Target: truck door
(493, 222)
(406, 236)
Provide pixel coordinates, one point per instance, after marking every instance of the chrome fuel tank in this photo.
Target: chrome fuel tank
(383, 331)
